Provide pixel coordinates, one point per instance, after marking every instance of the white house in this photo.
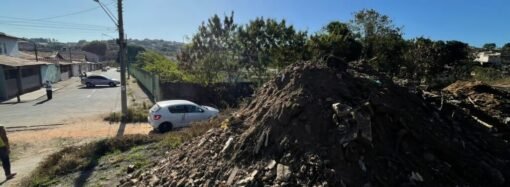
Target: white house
(8, 45)
(488, 57)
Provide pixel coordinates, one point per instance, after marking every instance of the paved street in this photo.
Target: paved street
(71, 103)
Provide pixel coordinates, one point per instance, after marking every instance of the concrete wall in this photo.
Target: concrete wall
(75, 70)
(9, 45)
(3, 94)
(220, 95)
(65, 71)
(50, 72)
(148, 82)
(12, 88)
(30, 83)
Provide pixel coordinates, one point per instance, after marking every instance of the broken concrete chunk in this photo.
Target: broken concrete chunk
(227, 144)
(341, 110)
(271, 165)
(232, 176)
(130, 168)
(282, 172)
(415, 176)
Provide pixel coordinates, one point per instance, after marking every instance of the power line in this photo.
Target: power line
(53, 26)
(31, 21)
(72, 13)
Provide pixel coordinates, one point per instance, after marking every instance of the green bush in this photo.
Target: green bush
(487, 74)
(135, 114)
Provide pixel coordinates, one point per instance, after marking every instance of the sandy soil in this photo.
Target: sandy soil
(28, 148)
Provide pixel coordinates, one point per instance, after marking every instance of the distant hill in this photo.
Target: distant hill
(167, 48)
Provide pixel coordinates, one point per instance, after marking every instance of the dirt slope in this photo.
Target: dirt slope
(315, 125)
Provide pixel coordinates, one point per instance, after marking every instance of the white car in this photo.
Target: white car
(166, 115)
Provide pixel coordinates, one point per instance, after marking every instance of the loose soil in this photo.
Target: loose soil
(31, 147)
(337, 126)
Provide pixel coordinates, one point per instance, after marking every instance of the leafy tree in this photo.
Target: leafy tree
(210, 54)
(381, 39)
(268, 43)
(96, 47)
(133, 51)
(166, 69)
(335, 39)
(489, 46)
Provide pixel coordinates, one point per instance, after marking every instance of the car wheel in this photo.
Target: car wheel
(89, 85)
(165, 127)
(112, 84)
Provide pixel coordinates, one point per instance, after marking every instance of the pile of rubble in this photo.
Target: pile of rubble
(319, 126)
(482, 97)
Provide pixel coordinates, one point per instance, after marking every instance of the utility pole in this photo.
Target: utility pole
(122, 60)
(35, 49)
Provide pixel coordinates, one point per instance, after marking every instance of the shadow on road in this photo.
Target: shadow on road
(97, 87)
(41, 102)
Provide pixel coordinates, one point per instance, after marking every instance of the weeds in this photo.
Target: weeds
(80, 158)
(77, 158)
(134, 115)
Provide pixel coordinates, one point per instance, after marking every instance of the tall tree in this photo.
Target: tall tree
(382, 40)
(335, 39)
(210, 54)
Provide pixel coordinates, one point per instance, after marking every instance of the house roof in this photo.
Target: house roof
(16, 62)
(78, 55)
(8, 36)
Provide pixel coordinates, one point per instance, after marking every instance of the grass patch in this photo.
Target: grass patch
(77, 158)
(135, 114)
(130, 148)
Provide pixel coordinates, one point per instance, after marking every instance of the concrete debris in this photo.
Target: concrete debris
(227, 144)
(282, 172)
(415, 176)
(347, 126)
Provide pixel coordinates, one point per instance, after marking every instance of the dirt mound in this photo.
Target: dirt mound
(475, 95)
(315, 125)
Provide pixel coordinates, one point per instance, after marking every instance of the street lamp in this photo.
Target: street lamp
(122, 52)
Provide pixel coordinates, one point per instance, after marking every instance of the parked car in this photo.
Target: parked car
(95, 80)
(167, 115)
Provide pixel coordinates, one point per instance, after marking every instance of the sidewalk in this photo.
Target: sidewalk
(34, 95)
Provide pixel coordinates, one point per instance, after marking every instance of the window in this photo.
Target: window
(178, 109)
(193, 109)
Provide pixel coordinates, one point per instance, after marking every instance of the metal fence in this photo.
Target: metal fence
(148, 81)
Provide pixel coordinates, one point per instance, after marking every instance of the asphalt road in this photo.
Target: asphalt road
(71, 103)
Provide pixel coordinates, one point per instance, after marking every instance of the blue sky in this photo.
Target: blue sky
(473, 21)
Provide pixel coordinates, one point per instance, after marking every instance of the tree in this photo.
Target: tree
(489, 46)
(133, 51)
(96, 47)
(167, 70)
(335, 39)
(211, 55)
(382, 41)
(268, 43)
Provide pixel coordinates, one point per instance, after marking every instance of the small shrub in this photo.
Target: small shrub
(135, 114)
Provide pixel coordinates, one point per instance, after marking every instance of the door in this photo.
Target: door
(177, 115)
(194, 113)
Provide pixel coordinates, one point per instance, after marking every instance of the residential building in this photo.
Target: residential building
(8, 45)
(18, 76)
(488, 57)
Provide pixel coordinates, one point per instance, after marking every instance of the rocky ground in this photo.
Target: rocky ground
(340, 126)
